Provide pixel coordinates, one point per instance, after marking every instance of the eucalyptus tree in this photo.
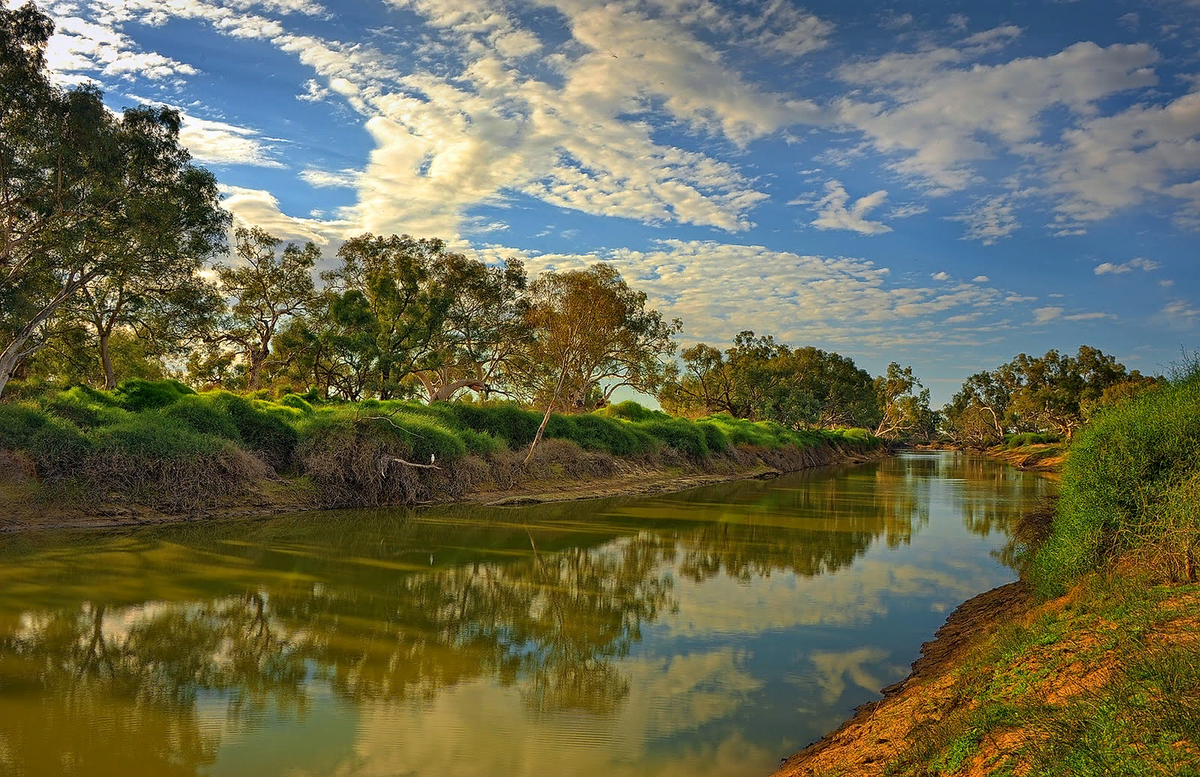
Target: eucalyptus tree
(905, 409)
(591, 334)
(388, 285)
(484, 329)
(266, 288)
(85, 194)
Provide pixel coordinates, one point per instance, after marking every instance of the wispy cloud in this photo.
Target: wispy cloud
(834, 211)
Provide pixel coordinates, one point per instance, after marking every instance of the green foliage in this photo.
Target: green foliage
(18, 423)
(203, 414)
(1125, 484)
(298, 402)
(682, 435)
(266, 434)
(506, 421)
(632, 411)
(58, 447)
(714, 437)
(155, 437)
(1029, 438)
(598, 432)
(85, 407)
(137, 395)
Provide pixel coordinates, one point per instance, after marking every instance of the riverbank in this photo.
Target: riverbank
(1091, 666)
(1101, 681)
(24, 511)
(153, 452)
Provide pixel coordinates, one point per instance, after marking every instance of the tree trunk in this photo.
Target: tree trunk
(110, 377)
(546, 418)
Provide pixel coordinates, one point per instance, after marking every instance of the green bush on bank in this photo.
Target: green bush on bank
(145, 435)
(1129, 485)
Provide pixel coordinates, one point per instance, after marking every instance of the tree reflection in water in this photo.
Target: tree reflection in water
(104, 674)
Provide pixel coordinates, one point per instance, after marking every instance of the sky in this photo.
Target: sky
(942, 184)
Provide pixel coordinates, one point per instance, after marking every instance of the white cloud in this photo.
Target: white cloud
(941, 112)
(980, 279)
(835, 212)
(940, 276)
(261, 208)
(346, 179)
(218, 143)
(989, 220)
(958, 22)
(80, 46)
(1108, 268)
(853, 303)
(1042, 315)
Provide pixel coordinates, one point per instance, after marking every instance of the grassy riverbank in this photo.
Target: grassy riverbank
(1090, 665)
(157, 449)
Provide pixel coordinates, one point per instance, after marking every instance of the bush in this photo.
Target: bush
(716, 439)
(203, 415)
(86, 407)
(1123, 473)
(137, 395)
(18, 424)
(298, 402)
(264, 433)
(632, 411)
(59, 450)
(1029, 438)
(683, 436)
(504, 421)
(598, 433)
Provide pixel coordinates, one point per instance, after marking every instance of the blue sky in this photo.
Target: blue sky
(943, 184)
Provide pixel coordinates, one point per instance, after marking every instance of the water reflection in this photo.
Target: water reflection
(636, 633)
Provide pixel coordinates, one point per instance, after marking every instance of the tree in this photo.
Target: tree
(265, 289)
(84, 194)
(484, 327)
(591, 335)
(906, 412)
(760, 379)
(388, 286)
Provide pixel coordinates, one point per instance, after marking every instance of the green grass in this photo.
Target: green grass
(1144, 720)
(1129, 485)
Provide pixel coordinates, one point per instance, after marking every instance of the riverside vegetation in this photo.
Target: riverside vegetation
(162, 445)
(1090, 665)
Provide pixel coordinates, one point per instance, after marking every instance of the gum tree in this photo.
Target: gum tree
(85, 194)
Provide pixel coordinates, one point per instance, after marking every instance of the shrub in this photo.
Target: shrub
(632, 411)
(683, 436)
(298, 402)
(1029, 438)
(18, 424)
(269, 436)
(59, 450)
(504, 421)
(85, 407)
(716, 439)
(203, 415)
(1119, 480)
(137, 395)
(598, 433)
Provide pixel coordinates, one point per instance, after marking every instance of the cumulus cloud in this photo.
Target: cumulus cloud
(1108, 268)
(834, 211)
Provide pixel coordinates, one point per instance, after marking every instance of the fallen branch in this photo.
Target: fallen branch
(386, 460)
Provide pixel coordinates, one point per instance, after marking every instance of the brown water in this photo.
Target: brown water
(709, 632)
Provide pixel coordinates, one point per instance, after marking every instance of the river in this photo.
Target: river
(709, 632)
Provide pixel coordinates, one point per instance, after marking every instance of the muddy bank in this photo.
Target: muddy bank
(880, 730)
(22, 508)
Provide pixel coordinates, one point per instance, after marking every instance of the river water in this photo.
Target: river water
(709, 632)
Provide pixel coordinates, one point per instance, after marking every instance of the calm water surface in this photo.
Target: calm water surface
(704, 633)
